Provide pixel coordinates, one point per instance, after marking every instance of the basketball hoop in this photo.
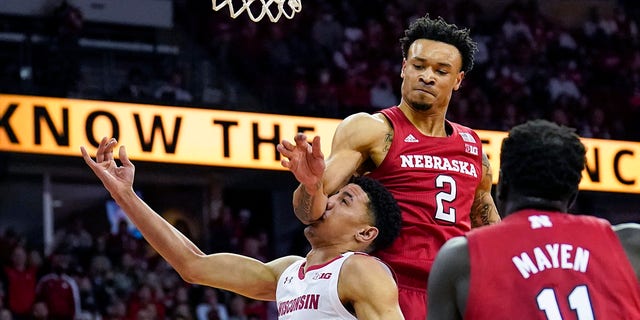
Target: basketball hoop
(294, 7)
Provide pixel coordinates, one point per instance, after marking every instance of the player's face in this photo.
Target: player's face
(430, 74)
(346, 214)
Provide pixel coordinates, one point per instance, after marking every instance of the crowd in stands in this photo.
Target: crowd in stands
(117, 276)
(339, 57)
(344, 56)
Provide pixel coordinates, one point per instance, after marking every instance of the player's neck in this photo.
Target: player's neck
(535, 203)
(428, 122)
(319, 256)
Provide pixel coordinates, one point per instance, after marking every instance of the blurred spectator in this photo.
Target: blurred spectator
(354, 93)
(237, 308)
(515, 28)
(69, 22)
(5, 314)
(327, 32)
(40, 311)
(58, 289)
(8, 240)
(145, 303)
(116, 310)
(382, 95)
(64, 54)
(172, 90)
(135, 88)
(257, 309)
(252, 247)
(21, 281)
(121, 242)
(211, 304)
(100, 274)
(562, 85)
(178, 305)
(76, 240)
(324, 94)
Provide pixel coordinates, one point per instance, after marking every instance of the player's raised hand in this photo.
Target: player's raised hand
(304, 160)
(115, 178)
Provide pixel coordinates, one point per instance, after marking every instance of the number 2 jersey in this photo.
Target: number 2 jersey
(434, 181)
(550, 265)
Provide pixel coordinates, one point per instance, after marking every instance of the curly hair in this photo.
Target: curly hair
(542, 159)
(440, 30)
(384, 210)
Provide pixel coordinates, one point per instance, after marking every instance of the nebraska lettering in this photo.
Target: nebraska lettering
(438, 163)
(553, 256)
(307, 301)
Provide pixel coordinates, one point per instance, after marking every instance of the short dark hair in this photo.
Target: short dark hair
(542, 159)
(440, 30)
(384, 211)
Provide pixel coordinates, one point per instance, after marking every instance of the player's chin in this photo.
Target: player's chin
(421, 105)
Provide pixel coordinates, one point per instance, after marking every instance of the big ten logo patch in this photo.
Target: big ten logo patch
(471, 149)
(322, 275)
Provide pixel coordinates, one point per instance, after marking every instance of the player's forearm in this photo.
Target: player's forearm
(307, 206)
(170, 243)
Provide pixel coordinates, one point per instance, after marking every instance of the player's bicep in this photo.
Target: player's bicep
(350, 148)
(483, 210)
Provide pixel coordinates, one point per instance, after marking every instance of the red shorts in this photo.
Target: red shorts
(413, 303)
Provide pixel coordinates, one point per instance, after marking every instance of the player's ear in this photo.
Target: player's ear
(367, 234)
(459, 79)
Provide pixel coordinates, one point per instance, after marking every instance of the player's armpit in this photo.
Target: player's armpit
(483, 209)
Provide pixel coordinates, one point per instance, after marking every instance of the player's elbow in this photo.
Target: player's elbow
(190, 271)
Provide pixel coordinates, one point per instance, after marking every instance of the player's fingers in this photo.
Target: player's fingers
(285, 163)
(287, 144)
(317, 151)
(108, 150)
(124, 158)
(86, 156)
(100, 151)
(92, 164)
(301, 139)
(283, 150)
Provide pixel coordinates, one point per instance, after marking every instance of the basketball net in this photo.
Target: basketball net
(294, 7)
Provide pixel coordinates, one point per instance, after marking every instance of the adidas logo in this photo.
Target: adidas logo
(410, 138)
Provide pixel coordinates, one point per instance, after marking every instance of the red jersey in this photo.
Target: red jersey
(550, 265)
(21, 293)
(61, 294)
(434, 181)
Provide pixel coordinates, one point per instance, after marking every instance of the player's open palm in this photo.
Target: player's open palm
(304, 160)
(115, 178)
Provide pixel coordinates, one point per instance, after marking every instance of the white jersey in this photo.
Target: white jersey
(314, 294)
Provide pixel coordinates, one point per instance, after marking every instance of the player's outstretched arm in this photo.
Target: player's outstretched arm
(483, 209)
(629, 235)
(367, 285)
(244, 275)
(448, 283)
